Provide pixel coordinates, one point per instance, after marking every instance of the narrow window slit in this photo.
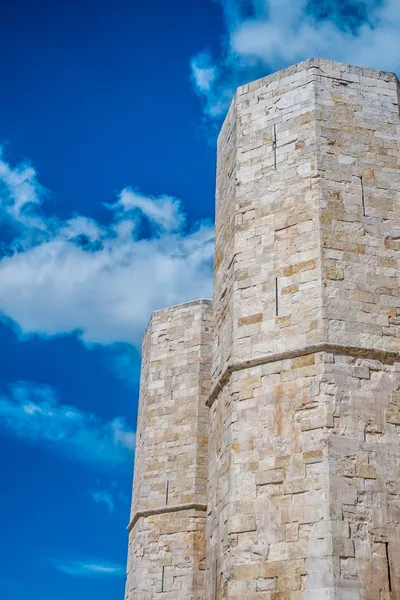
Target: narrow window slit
(274, 146)
(363, 195)
(162, 579)
(216, 581)
(388, 567)
(276, 298)
(166, 493)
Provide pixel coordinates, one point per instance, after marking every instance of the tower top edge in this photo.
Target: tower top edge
(181, 305)
(328, 68)
(321, 63)
(175, 307)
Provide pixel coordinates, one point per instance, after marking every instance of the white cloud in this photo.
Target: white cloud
(267, 35)
(164, 212)
(19, 188)
(88, 569)
(32, 412)
(104, 497)
(203, 71)
(101, 282)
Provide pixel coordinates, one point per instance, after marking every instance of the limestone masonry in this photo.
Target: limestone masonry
(268, 449)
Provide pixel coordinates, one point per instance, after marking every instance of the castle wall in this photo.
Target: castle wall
(304, 481)
(364, 476)
(166, 555)
(269, 483)
(303, 460)
(273, 206)
(358, 129)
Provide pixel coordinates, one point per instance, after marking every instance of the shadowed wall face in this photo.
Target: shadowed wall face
(167, 531)
(304, 434)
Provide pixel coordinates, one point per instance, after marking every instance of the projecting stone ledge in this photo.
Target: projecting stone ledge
(165, 509)
(373, 353)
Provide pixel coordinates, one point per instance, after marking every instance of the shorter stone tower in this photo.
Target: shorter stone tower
(302, 377)
(166, 557)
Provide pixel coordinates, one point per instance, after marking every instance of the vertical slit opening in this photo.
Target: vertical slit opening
(389, 575)
(216, 580)
(166, 493)
(362, 195)
(274, 146)
(276, 298)
(162, 579)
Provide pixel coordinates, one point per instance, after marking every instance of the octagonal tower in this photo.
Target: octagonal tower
(304, 455)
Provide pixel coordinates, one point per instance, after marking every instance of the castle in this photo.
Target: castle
(268, 448)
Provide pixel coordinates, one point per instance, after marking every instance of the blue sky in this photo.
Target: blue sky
(109, 113)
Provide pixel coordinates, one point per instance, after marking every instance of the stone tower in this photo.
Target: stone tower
(166, 556)
(303, 423)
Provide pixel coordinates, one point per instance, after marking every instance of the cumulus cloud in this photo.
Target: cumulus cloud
(77, 568)
(32, 412)
(267, 35)
(98, 281)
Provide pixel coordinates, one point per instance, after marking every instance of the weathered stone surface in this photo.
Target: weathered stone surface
(303, 472)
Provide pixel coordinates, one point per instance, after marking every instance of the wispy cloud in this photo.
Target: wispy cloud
(266, 35)
(104, 497)
(88, 569)
(32, 412)
(99, 281)
(204, 71)
(124, 362)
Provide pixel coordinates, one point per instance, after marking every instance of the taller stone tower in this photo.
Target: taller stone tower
(303, 496)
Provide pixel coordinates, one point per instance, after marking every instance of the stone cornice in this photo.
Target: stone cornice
(165, 509)
(373, 353)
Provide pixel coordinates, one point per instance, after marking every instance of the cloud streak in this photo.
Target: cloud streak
(267, 35)
(89, 569)
(100, 282)
(32, 412)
